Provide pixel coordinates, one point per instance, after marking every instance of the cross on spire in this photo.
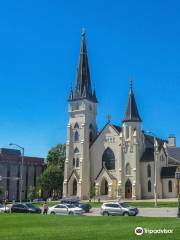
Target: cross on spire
(108, 118)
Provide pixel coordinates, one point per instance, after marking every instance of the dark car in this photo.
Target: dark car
(25, 208)
(85, 206)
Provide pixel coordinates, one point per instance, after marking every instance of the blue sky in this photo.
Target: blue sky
(39, 53)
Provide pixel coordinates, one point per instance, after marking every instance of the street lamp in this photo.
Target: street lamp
(155, 167)
(21, 172)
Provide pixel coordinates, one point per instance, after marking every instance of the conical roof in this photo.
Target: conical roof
(131, 113)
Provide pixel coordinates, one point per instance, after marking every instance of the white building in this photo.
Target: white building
(118, 161)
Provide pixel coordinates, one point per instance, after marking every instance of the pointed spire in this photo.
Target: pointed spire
(131, 114)
(94, 96)
(83, 83)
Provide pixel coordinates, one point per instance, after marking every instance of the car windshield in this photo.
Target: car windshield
(29, 205)
(70, 205)
(125, 205)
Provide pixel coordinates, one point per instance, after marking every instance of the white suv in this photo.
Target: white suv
(116, 208)
(65, 209)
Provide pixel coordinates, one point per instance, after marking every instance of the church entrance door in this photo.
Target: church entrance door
(128, 189)
(104, 187)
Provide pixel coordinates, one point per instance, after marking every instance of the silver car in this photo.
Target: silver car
(65, 209)
(116, 208)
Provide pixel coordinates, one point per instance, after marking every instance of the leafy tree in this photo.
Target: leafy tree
(56, 155)
(31, 193)
(51, 180)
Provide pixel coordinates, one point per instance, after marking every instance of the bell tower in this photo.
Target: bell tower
(132, 139)
(81, 130)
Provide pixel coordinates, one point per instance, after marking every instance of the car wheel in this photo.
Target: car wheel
(71, 213)
(52, 213)
(105, 214)
(125, 214)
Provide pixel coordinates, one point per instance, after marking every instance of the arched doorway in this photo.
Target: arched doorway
(74, 193)
(104, 187)
(128, 189)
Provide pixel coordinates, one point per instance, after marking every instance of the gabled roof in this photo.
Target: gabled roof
(174, 153)
(115, 127)
(75, 173)
(131, 113)
(148, 155)
(149, 141)
(105, 169)
(168, 172)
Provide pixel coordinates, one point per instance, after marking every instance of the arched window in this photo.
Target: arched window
(77, 162)
(90, 137)
(73, 162)
(76, 125)
(170, 186)
(76, 150)
(108, 159)
(128, 169)
(149, 186)
(74, 187)
(127, 132)
(76, 136)
(148, 170)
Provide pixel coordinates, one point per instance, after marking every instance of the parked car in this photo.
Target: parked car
(25, 208)
(85, 206)
(4, 209)
(116, 208)
(65, 209)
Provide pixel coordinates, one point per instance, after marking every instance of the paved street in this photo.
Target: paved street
(145, 212)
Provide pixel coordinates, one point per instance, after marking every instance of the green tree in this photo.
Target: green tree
(31, 193)
(56, 155)
(51, 180)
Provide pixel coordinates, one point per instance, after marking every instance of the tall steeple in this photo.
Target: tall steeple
(83, 89)
(131, 114)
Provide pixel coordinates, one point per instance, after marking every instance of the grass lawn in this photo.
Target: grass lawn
(132, 203)
(40, 227)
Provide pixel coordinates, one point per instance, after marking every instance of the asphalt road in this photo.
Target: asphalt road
(144, 212)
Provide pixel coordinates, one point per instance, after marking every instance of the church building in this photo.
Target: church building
(118, 161)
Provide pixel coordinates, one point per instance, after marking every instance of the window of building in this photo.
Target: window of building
(77, 162)
(108, 159)
(76, 136)
(149, 186)
(148, 170)
(90, 137)
(73, 162)
(170, 186)
(127, 132)
(128, 169)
